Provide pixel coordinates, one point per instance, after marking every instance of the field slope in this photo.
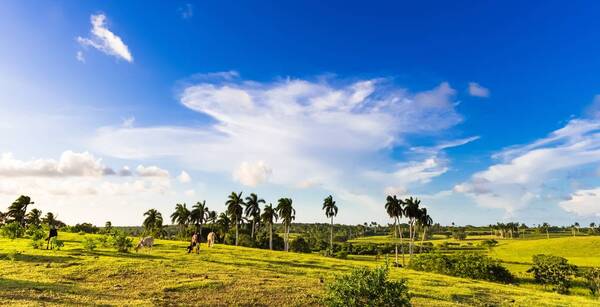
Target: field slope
(222, 275)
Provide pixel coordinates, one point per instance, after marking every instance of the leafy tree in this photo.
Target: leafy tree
(331, 211)
(34, 217)
(108, 226)
(153, 222)
(287, 213)
(269, 216)
(553, 270)
(425, 221)
(49, 219)
(234, 211)
(223, 223)
(181, 216)
(12, 230)
(211, 218)
(367, 287)
(396, 211)
(253, 209)
(199, 215)
(592, 278)
(16, 211)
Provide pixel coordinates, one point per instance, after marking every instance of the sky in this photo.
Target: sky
(487, 113)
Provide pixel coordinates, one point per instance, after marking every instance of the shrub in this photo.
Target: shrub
(37, 234)
(37, 244)
(367, 287)
(459, 234)
(469, 265)
(89, 243)
(489, 243)
(553, 270)
(121, 242)
(104, 241)
(592, 279)
(58, 244)
(12, 230)
(341, 254)
(300, 245)
(262, 240)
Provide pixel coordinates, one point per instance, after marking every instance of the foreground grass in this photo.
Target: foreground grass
(222, 275)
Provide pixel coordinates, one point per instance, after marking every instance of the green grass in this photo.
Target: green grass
(222, 275)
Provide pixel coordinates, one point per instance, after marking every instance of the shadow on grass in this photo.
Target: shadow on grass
(130, 255)
(36, 258)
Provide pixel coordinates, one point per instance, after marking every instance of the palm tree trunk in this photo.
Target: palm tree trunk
(331, 235)
(253, 222)
(236, 232)
(271, 236)
(422, 239)
(200, 234)
(396, 237)
(401, 243)
(547, 234)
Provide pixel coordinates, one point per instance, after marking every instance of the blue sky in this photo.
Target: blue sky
(485, 112)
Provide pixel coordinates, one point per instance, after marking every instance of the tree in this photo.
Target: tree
(181, 216)
(108, 226)
(395, 210)
(199, 216)
(287, 213)
(545, 227)
(211, 218)
(253, 209)
(234, 210)
(223, 222)
(269, 216)
(50, 220)
(34, 217)
(153, 222)
(331, 210)
(425, 221)
(412, 211)
(16, 211)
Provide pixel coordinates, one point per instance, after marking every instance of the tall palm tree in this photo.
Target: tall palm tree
(199, 215)
(412, 212)
(234, 210)
(395, 209)
(153, 222)
(211, 218)
(49, 219)
(181, 216)
(425, 221)
(269, 216)
(253, 209)
(34, 217)
(331, 210)
(223, 223)
(287, 213)
(545, 227)
(16, 211)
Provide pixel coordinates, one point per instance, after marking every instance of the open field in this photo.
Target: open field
(228, 275)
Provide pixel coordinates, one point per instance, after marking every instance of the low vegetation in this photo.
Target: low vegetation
(469, 265)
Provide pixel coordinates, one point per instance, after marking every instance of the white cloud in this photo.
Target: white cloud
(252, 174)
(105, 40)
(151, 171)
(525, 171)
(186, 11)
(184, 177)
(69, 164)
(583, 202)
(477, 90)
(79, 56)
(397, 190)
(308, 132)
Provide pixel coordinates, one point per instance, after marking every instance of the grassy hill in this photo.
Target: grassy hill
(225, 275)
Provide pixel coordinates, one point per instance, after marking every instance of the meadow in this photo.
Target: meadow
(229, 275)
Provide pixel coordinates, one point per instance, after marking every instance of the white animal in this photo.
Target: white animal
(145, 242)
(210, 240)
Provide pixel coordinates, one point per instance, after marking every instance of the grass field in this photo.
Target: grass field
(227, 275)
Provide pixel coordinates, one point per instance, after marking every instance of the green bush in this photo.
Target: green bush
(58, 244)
(37, 234)
(37, 244)
(121, 242)
(489, 243)
(592, 279)
(12, 230)
(367, 287)
(469, 265)
(104, 241)
(554, 271)
(89, 243)
(341, 255)
(300, 245)
(459, 234)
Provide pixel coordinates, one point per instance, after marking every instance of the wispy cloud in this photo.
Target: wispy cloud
(477, 90)
(105, 40)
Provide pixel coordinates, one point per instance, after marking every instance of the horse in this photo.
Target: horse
(210, 239)
(194, 244)
(52, 234)
(145, 242)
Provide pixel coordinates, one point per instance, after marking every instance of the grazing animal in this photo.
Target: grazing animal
(53, 233)
(210, 240)
(194, 244)
(145, 242)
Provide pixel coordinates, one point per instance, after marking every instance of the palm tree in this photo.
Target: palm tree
(181, 216)
(49, 219)
(16, 211)
(253, 209)
(234, 210)
(425, 221)
(412, 212)
(395, 210)
(211, 218)
(269, 216)
(34, 217)
(153, 222)
(545, 227)
(331, 210)
(223, 222)
(287, 213)
(199, 215)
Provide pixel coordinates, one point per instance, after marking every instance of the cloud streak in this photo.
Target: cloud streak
(104, 40)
